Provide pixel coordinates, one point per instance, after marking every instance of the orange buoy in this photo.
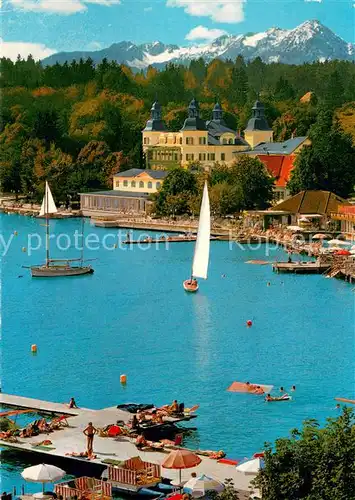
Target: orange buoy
(34, 348)
(249, 322)
(123, 379)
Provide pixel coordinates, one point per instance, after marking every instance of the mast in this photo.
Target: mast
(47, 207)
(47, 224)
(82, 240)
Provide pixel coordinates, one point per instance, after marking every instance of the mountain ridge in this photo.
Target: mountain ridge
(310, 41)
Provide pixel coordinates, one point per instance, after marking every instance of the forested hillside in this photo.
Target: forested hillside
(76, 124)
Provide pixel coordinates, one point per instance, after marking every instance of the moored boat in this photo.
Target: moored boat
(56, 267)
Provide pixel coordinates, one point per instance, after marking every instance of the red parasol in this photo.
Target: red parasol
(114, 431)
(181, 459)
(342, 252)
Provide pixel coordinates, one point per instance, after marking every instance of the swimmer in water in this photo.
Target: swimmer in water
(337, 407)
(293, 388)
(223, 275)
(268, 283)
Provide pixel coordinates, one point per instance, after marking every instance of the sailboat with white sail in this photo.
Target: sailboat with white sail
(202, 247)
(56, 267)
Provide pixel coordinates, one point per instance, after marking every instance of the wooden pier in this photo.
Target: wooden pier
(163, 227)
(168, 239)
(304, 267)
(70, 440)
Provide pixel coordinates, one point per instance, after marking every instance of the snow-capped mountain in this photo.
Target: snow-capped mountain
(310, 41)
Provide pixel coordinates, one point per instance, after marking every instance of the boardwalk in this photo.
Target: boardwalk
(300, 267)
(71, 439)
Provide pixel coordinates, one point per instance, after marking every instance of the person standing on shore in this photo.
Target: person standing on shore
(90, 432)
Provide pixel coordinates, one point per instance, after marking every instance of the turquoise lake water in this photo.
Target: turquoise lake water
(132, 316)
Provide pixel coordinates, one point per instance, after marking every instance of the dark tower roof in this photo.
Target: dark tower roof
(258, 120)
(193, 121)
(217, 114)
(155, 123)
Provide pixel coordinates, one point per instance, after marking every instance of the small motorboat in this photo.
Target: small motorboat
(190, 285)
(271, 399)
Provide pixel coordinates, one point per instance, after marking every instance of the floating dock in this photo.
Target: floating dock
(71, 439)
(300, 267)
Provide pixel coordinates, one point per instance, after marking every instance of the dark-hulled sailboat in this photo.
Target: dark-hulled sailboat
(56, 267)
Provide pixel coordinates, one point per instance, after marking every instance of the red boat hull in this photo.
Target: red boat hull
(190, 287)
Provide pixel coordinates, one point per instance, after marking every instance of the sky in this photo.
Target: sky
(43, 27)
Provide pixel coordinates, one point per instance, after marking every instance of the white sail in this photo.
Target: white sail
(202, 248)
(48, 205)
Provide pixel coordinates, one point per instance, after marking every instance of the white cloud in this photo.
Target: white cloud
(203, 33)
(13, 49)
(58, 6)
(148, 9)
(222, 11)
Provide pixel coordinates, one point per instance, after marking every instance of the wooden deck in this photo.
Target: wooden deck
(300, 267)
(71, 439)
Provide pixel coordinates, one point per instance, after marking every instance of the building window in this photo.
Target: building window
(117, 184)
(189, 141)
(189, 157)
(202, 140)
(202, 156)
(125, 183)
(225, 141)
(150, 185)
(223, 156)
(230, 141)
(158, 184)
(211, 156)
(141, 184)
(133, 184)
(146, 140)
(180, 140)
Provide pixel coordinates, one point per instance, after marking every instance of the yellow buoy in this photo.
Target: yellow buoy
(123, 379)
(34, 348)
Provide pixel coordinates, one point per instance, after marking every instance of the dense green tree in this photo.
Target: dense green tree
(312, 464)
(174, 195)
(239, 84)
(225, 198)
(283, 90)
(255, 186)
(329, 162)
(333, 91)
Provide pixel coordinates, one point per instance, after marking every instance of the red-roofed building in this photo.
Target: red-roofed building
(280, 167)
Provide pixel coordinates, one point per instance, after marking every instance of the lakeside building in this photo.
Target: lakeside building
(345, 215)
(212, 141)
(130, 193)
(314, 208)
(198, 140)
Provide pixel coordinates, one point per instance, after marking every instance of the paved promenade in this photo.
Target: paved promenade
(71, 439)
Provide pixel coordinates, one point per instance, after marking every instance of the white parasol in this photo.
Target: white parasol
(197, 487)
(43, 473)
(339, 242)
(251, 466)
